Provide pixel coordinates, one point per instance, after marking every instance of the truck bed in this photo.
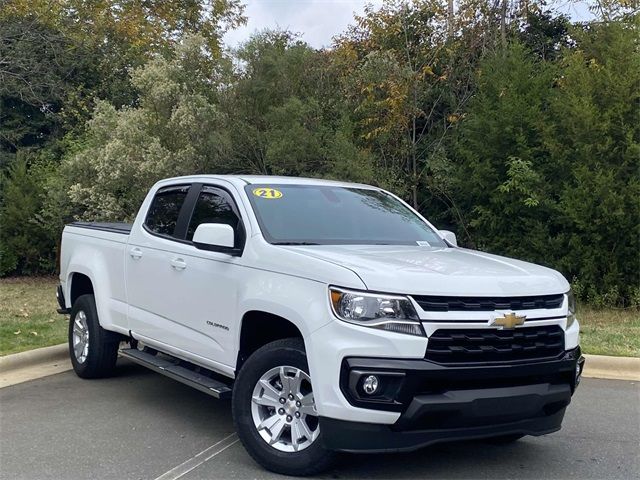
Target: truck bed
(113, 227)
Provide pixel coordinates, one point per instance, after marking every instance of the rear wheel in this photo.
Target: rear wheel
(93, 350)
(274, 410)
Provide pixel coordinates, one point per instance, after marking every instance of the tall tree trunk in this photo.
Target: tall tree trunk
(503, 24)
(450, 13)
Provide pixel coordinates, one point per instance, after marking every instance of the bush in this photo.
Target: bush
(26, 246)
(177, 129)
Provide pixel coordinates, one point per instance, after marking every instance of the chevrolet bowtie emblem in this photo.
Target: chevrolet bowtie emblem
(509, 321)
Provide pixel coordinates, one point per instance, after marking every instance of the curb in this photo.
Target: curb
(33, 364)
(613, 368)
(34, 357)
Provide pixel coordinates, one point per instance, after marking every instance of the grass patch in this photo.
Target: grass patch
(28, 317)
(610, 331)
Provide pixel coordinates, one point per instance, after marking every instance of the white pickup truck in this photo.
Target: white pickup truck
(335, 316)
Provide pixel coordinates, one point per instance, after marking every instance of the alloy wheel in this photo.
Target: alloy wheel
(80, 337)
(283, 409)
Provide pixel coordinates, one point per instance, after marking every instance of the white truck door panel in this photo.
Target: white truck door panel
(202, 303)
(181, 296)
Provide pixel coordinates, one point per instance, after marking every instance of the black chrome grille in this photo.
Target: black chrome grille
(487, 304)
(457, 346)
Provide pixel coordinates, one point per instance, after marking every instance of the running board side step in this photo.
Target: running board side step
(174, 368)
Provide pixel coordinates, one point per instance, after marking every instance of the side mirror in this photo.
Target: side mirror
(449, 237)
(215, 237)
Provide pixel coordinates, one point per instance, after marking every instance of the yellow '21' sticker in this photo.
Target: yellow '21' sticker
(269, 193)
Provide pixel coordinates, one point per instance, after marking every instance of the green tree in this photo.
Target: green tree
(544, 33)
(59, 58)
(504, 169)
(73, 52)
(594, 138)
(177, 129)
(286, 113)
(396, 77)
(24, 245)
(37, 65)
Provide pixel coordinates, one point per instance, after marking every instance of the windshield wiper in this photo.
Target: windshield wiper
(295, 243)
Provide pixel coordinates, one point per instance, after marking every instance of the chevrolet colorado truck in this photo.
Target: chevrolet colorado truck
(334, 316)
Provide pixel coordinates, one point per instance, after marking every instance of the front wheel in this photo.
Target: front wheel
(274, 410)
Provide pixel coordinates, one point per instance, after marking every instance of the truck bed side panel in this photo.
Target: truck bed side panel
(97, 253)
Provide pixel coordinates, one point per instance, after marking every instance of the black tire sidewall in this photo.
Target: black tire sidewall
(288, 352)
(102, 349)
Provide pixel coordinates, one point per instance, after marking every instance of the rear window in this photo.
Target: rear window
(164, 210)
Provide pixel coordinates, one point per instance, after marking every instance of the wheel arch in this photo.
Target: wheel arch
(79, 284)
(259, 327)
(90, 279)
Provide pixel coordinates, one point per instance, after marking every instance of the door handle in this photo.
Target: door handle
(178, 264)
(135, 253)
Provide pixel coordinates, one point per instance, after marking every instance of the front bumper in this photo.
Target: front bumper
(442, 403)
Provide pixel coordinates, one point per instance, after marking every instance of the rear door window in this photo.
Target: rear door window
(163, 213)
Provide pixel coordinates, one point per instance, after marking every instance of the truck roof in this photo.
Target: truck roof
(267, 179)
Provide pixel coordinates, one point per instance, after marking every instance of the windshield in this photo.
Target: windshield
(326, 215)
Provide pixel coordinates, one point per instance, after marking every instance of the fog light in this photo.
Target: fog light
(370, 384)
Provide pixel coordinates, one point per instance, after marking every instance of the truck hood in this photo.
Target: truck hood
(418, 270)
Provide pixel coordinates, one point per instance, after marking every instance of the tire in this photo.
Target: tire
(98, 358)
(310, 456)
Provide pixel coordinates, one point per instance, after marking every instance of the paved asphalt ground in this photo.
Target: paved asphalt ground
(141, 425)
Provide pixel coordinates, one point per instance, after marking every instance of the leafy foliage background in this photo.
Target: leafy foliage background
(514, 127)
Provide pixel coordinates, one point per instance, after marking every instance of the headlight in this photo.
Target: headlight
(394, 313)
(571, 313)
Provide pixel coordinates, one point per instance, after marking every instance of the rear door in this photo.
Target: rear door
(193, 308)
(148, 269)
